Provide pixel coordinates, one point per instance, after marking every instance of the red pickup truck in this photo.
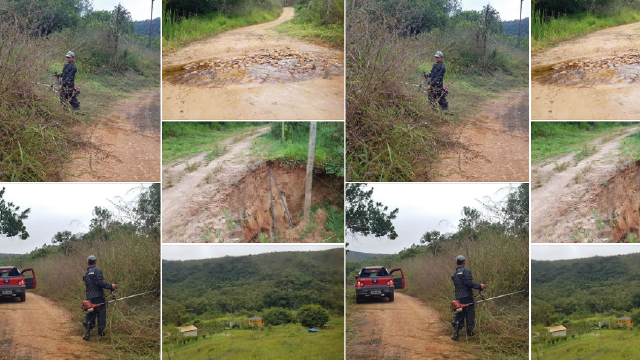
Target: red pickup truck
(14, 284)
(376, 281)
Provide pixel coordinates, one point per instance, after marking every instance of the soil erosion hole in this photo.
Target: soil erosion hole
(263, 67)
(619, 69)
(620, 205)
(251, 203)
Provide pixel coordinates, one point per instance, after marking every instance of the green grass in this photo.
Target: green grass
(556, 30)
(177, 34)
(630, 147)
(185, 140)
(585, 151)
(615, 344)
(332, 35)
(550, 140)
(290, 341)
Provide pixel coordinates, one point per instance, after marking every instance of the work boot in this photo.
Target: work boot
(86, 334)
(469, 332)
(101, 332)
(455, 334)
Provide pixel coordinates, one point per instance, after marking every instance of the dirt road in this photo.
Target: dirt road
(248, 87)
(493, 145)
(595, 77)
(187, 194)
(40, 329)
(123, 146)
(592, 200)
(404, 329)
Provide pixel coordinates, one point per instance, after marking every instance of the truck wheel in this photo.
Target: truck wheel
(358, 299)
(391, 297)
(23, 296)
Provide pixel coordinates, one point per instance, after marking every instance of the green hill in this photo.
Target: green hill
(359, 256)
(252, 283)
(8, 256)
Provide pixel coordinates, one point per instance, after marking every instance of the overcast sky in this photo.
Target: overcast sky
(196, 251)
(139, 9)
(562, 251)
(422, 208)
(508, 9)
(57, 207)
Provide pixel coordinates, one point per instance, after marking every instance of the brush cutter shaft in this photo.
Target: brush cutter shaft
(457, 307)
(88, 307)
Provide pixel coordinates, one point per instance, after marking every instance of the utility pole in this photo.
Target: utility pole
(309, 179)
(519, 24)
(151, 22)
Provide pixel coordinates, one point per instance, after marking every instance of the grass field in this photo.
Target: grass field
(614, 344)
(332, 35)
(279, 342)
(177, 34)
(179, 141)
(550, 140)
(630, 147)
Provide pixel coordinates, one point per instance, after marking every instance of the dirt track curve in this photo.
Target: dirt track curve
(592, 200)
(404, 329)
(40, 329)
(123, 146)
(595, 77)
(316, 98)
(190, 195)
(494, 145)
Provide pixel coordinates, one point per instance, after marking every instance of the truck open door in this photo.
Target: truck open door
(30, 282)
(398, 282)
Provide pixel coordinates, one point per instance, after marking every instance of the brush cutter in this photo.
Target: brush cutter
(88, 307)
(457, 307)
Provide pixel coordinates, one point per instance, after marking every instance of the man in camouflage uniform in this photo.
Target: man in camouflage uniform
(436, 90)
(464, 285)
(67, 88)
(94, 282)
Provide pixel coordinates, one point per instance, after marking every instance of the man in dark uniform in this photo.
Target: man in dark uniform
(464, 285)
(436, 90)
(95, 284)
(67, 88)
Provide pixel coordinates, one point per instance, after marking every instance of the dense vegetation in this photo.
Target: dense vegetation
(549, 139)
(142, 27)
(587, 296)
(317, 20)
(393, 133)
(185, 21)
(560, 20)
(36, 133)
(127, 245)
(496, 246)
(246, 286)
(511, 27)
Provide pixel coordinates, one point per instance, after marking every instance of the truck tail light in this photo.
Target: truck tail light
(359, 284)
(390, 283)
(21, 282)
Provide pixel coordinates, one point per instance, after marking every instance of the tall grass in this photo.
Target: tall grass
(131, 260)
(548, 29)
(178, 32)
(317, 20)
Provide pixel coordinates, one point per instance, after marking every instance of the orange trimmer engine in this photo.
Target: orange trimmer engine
(87, 306)
(456, 306)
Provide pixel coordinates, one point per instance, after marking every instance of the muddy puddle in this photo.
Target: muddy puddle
(251, 201)
(621, 69)
(262, 67)
(618, 200)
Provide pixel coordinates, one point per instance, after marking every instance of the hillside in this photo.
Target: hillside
(359, 256)
(511, 27)
(591, 285)
(252, 283)
(8, 256)
(142, 27)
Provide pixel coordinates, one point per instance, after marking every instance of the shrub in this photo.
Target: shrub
(277, 316)
(312, 316)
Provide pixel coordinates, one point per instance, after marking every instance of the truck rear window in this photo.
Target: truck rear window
(373, 272)
(9, 272)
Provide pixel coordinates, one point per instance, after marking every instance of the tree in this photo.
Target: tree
(364, 216)
(277, 316)
(118, 25)
(11, 219)
(430, 237)
(489, 24)
(312, 316)
(309, 177)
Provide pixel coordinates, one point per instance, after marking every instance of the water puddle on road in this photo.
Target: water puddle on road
(262, 67)
(623, 69)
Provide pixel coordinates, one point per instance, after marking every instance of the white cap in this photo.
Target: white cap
(71, 54)
(439, 54)
(91, 258)
(460, 258)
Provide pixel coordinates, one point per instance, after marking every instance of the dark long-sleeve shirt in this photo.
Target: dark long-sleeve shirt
(94, 282)
(463, 282)
(69, 75)
(437, 75)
